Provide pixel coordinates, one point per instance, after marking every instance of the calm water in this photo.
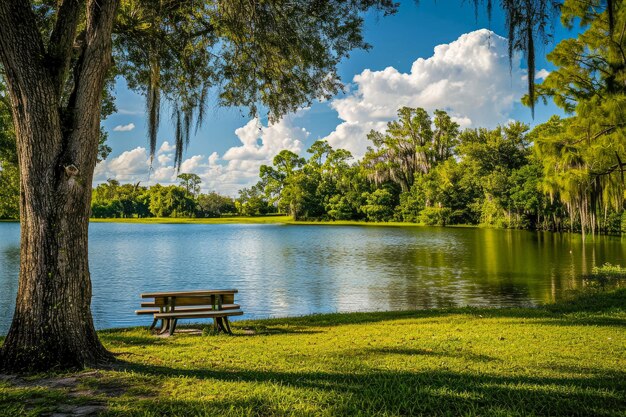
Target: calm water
(294, 270)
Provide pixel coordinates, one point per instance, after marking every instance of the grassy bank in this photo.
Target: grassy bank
(255, 220)
(565, 359)
(189, 220)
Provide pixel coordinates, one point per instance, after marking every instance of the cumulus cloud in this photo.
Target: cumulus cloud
(469, 78)
(165, 148)
(131, 112)
(238, 167)
(124, 128)
(542, 74)
(133, 165)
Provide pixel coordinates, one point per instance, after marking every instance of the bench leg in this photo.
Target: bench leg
(218, 324)
(165, 326)
(153, 325)
(173, 326)
(226, 325)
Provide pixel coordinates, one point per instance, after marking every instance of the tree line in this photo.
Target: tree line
(422, 169)
(114, 200)
(426, 170)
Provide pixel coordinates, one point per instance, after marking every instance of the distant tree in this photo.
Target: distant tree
(410, 146)
(9, 191)
(252, 201)
(191, 183)
(9, 171)
(491, 156)
(214, 205)
(378, 205)
(282, 181)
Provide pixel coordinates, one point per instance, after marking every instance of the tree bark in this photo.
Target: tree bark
(57, 145)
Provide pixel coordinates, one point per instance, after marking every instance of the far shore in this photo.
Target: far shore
(278, 219)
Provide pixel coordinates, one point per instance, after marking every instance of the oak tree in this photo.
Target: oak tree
(55, 59)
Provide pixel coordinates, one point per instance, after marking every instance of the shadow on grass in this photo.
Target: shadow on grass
(591, 304)
(119, 337)
(263, 330)
(411, 393)
(429, 352)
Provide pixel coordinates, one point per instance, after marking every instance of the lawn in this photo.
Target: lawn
(278, 219)
(562, 359)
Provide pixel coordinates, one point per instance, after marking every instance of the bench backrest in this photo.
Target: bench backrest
(196, 301)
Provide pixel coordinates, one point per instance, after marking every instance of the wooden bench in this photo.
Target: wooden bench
(169, 307)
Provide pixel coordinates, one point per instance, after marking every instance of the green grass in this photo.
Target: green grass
(562, 359)
(189, 220)
(256, 220)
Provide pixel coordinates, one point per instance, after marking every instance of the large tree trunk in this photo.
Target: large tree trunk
(57, 144)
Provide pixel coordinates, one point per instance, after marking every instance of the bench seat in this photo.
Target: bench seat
(186, 309)
(197, 314)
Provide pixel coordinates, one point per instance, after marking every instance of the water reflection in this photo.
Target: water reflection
(293, 270)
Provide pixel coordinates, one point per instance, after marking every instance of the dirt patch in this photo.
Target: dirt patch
(87, 388)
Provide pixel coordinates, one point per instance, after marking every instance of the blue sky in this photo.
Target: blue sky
(227, 158)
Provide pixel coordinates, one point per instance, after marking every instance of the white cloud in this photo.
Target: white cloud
(130, 112)
(542, 74)
(133, 165)
(469, 78)
(124, 128)
(166, 147)
(227, 174)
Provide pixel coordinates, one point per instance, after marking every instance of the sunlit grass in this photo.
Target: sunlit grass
(563, 359)
(255, 220)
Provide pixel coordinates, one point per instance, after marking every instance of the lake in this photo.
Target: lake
(288, 270)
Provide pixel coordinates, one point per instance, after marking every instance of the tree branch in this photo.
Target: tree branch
(21, 46)
(62, 41)
(90, 73)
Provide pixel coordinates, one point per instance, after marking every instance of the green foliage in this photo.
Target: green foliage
(190, 182)
(411, 204)
(214, 205)
(9, 191)
(339, 208)
(422, 170)
(609, 269)
(115, 200)
(252, 202)
(435, 216)
(276, 54)
(9, 172)
(605, 277)
(378, 205)
(582, 155)
(410, 147)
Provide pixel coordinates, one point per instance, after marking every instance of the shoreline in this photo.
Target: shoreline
(280, 220)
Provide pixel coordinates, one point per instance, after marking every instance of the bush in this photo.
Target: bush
(339, 208)
(435, 216)
(605, 275)
(379, 205)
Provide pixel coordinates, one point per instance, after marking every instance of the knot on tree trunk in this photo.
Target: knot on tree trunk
(71, 170)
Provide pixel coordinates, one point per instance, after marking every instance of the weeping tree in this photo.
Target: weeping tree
(56, 57)
(583, 155)
(411, 145)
